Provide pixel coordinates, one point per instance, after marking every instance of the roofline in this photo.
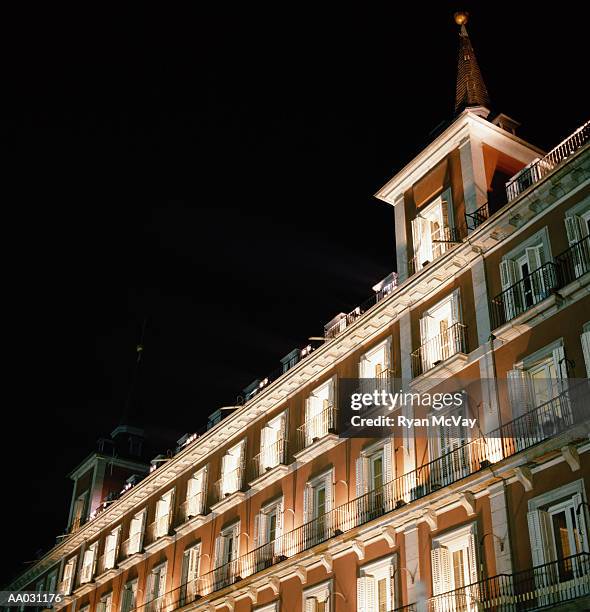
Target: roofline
(452, 131)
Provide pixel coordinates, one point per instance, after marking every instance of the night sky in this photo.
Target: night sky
(214, 173)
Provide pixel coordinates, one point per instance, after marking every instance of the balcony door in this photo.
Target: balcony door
(430, 231)
(439, 335)
(272, 440)
(318, 417)
(231, 469)
(578, 228)
(374, 367)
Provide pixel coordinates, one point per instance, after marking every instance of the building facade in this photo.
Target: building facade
(270, 509)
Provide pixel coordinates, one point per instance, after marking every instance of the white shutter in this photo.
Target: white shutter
(108, 602)
(456, 307)
(162, 581)
(307, 503)
(447, 204)
(218, 559)
(507, 273)
(540, 537)
(280, 514)
(580, 507)
(533, 256)
(573, 226)
(329, 493)
(585, 340)
(441, 570)
(424, 329)
(388, 471)
(310, 604)
(141, 529)
(258, 530)
(519, 391)
(473, 556)
(366, 594)
(417, 241)
(561, 368)
(362, 481)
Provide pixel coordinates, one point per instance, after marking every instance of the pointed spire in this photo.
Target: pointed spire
(471, 89)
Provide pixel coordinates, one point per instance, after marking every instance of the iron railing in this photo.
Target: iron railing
(539, 168)
(439, 348)
(469, 457)
(270, 457)
(542, 586)
(448, 238)
(474, 219)
(524, 294)
(574, 262)
(158, 529)
(317, 427)
(132, 545)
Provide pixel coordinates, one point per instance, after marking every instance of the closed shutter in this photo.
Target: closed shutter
(366, 595)
(580, 507)
(388, 469)
(162, 581)
(585, 339)
(171, 497)
(539, 283)
(441, 570)
(540, 537)
(362, 479)
(447, 204)
(473, 556)
(126, 599)
(280, 515)
(561, 383)
(108, 603)
(218, 558)
(310, 604)
(307, 503)
(417, 241)
(259, 530)
(186, 560)
(519, 391)
(456, 307)
(141, 530)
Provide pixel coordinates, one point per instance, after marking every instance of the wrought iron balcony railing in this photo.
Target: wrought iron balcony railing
(524, 294)
(542, 586)
(449, 236)
(541, 283)
(563, 411)
(317, 427)
(474, 219)
(439, 348)
(539, 168)
(270, 457)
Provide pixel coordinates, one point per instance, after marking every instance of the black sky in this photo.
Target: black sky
(215, 172)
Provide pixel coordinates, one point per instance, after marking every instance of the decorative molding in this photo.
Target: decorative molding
(525, 477)
(571, 456)
(274, 582)
(467, 500)
(389, 535)
(301, 573)
(327, 561)
(429, 517)
(358, 548)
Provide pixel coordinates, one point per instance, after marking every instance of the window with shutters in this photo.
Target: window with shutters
(268, 528)
(273, 443)
(196, 494)
(557, 523)
(79, 511)
(232, 470)
(577, 227)
(454, 566)
(432, 231)
(163, 516)
(441, 334)
(375, 473)
(273, 607)
(318, 502)
(227, 552)
(525, 279)
(111, 548)
(105, 603)
(375, 587)
(190, 573)
(375, 368)
(88, 563)
(318, 598)
(585, 340)
(129, 596)
(52, 581)
(535, 386)
(156, 588)
(69, 571)
(136, 531)
(320, 418)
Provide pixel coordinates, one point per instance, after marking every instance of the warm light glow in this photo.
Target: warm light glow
(461, 18)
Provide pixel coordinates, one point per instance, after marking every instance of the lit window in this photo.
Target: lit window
(190, 573)
(232, 469)
(272, 443)
(319, 413)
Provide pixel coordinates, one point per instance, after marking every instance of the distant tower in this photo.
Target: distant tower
(471, 89)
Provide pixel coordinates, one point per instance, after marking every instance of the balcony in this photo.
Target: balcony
(158, 529)
(550, 585)
(131, 546)
(541, 283)
(439, 349)
(318, 434)
(477, 217)
(540, 168)
(270, 464)
(478, 454)
(228, 490)
(192, 508)
(448, 237)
